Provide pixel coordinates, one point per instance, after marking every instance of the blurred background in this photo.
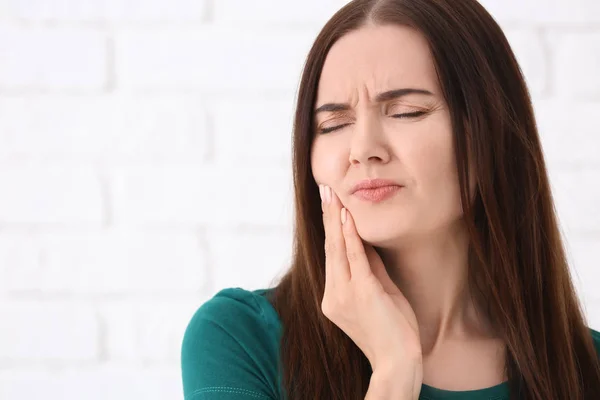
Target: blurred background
(145, 165)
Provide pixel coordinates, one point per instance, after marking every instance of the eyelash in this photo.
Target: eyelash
(413, 114)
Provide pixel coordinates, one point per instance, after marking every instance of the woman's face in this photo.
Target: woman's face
(364, 137)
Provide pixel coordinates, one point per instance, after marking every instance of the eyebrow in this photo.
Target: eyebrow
(381, 97)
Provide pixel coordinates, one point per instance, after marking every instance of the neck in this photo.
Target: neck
(432, 273)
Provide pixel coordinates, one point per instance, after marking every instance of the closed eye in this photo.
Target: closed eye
(332, 128)
(413, 114)
(409, 115)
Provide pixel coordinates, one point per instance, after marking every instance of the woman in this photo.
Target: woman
(427, 257)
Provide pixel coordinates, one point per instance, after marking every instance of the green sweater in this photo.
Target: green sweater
(231, 346)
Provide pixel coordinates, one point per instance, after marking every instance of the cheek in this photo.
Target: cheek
(434, 170)
(433, 162)
(327, 161)
(437, 194)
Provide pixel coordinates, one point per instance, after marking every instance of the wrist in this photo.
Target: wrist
(391, 380)
(385, 385)
(400, 365)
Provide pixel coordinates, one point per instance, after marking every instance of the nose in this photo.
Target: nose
(368, 142)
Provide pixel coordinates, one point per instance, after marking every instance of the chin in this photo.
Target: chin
(382, 234)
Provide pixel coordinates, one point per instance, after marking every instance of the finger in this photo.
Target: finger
(355, 251)
(337, 269)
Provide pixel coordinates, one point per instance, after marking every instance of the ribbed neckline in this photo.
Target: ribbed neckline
(498, 392)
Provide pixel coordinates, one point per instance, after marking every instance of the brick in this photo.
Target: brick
(252, 259)
(567, 136)
(50, 195)
(577, 199)
(584, 253)
(113, 262)
(97, 383)
(211, 196)
(592, 311)
(44, 58)
(256, 133)
(48, 331)
(274, 11)
(121, 127)
(544, 12)
(211, 59)
(17, 253)
(576, 60)
(529, 51)
(146, 332)
(109, 10)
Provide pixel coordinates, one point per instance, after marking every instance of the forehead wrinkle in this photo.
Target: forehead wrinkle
(358, 81)
(372, 77)
(366, 94)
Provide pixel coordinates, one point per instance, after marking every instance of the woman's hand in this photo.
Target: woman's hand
(363, 301)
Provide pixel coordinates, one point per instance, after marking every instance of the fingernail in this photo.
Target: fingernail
(343, 215)
(321, 191)
(328, 194)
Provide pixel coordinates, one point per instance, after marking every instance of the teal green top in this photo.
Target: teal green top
(230, 351)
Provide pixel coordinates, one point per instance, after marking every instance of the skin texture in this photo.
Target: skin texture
(418, 233)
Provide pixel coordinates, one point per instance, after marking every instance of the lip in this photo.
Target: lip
(378, 194)
(375, 190)
(373, 184)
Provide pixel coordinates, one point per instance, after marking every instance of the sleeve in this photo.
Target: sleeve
(226, 353)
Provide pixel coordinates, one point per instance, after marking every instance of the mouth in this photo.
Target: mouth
(377, 194)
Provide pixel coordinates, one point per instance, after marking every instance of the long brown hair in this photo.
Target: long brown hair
(517, 258)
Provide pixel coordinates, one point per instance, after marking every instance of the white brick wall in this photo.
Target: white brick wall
(122, 167)
(40, 57)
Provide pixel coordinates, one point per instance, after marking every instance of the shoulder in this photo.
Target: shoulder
(230, 347)
(596, 339)
(230, 302)
(234, 311)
